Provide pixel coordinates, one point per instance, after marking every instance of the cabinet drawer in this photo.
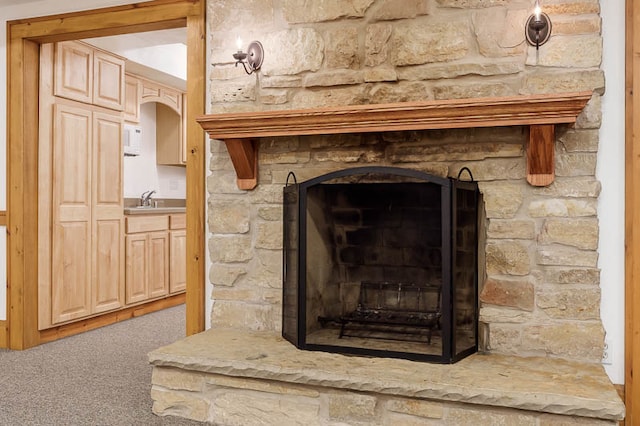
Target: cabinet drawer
(178, 221)
(146, 223)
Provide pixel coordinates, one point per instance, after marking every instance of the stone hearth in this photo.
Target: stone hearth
(234, 377)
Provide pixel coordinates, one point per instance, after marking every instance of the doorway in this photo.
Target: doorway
(23, 46)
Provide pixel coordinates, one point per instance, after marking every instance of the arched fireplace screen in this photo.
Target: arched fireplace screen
(382, 261)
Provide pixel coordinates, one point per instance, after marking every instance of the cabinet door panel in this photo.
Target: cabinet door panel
(158, 264)
(71, 214)
(108, 81)
(107, 142)
(73, 71)
(168, 136)
(178, 265)
(70, 297)
(108, 219)
(72, 156)
(108, 269)
(136, 270)
(131, 99)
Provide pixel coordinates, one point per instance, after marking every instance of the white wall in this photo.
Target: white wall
(141, 172)
(162, 58)
(610, 172)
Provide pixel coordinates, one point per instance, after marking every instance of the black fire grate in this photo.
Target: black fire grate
(403, 307)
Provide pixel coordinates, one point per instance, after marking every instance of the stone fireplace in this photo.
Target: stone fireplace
(382, 261)
(540, 334)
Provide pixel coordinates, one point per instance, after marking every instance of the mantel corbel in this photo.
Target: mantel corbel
(241, 131)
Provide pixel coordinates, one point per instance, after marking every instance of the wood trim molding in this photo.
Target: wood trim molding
(632, 214)
(3, 218)
(146, 16)
(78, 327)
(196, 169)
(540, 112)
(4, 343)
(23, 42)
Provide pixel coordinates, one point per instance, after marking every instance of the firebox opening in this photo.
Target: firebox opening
(386, 265)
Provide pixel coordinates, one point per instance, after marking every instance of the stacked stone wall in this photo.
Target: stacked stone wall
(541, 292)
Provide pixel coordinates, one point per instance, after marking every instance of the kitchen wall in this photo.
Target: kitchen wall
(141, 173)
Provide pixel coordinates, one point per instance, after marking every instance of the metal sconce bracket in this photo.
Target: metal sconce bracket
(538, 29)
(253, 58)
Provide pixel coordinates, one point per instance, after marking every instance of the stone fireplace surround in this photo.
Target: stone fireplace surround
(541, 359)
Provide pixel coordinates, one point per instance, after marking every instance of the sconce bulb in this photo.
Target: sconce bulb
(239, 43)
(537, 11)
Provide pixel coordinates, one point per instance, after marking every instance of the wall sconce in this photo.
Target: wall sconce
(538, 27)
(253, 58)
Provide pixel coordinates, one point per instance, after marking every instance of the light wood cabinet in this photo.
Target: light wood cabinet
(108, 81)
(156, 92)
(158, 264)
(87, 244)
(131, 99)
(80, 202)
(169, 137)
(137, 268)
(86, 74)
(178, 278)
(107, 216)
(71, 214)
(147, 258)
(178, 253)
(170, 121)
(73, 71)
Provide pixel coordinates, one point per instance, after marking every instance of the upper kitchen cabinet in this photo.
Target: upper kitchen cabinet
(170, 137)
(131, 99)
(170, 115)
(89, 75)
(156, 92)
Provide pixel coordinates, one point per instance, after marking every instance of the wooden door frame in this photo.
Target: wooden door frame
(23, 40)
(632, 212)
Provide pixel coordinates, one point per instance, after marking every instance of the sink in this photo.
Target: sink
(153, 210)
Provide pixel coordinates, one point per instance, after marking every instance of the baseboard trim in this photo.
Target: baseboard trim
(78, 327)
(4, 342)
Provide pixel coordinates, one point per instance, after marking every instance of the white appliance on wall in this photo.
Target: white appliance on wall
(132, 139)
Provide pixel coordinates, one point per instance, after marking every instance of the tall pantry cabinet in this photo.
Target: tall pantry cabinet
(81, 223)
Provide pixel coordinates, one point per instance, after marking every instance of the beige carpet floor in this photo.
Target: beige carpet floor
(101, 377)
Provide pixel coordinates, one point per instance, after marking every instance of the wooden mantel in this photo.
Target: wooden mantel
(241, 131)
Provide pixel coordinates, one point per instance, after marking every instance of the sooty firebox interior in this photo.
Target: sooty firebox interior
(382, 261)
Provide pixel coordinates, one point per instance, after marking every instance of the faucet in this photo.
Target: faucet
(145, 198)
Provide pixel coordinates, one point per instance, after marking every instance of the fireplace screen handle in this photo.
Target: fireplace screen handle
(465, 169)
(295, 180)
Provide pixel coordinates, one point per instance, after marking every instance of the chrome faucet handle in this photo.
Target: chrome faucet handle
(143, 197)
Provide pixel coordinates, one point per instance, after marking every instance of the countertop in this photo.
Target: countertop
(153, 210)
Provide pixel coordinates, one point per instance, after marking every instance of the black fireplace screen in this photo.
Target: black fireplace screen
(381, 261)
